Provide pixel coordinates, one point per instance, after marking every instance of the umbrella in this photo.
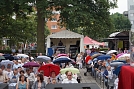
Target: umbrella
(89, 62)
(96, 55)
(2, 57)
(48, 68)
(118, 69)
(124, 55)
(62, 60)
(1, 54)
(112, 51)
(40, 59)
(119, 61)
(73, 70)
(119, 55)
(62, 55)
(88, 58)
(8, 57)
(44, 57)
(113, 64)
(22, 55)
(91, 54)
(95, 59)
(31, 64)
(103, 57)
(6, 62)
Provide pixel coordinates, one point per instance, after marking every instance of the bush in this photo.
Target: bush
(103, 49)
(6, 51)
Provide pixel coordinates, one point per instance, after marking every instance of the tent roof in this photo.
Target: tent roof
(65, 34)
(88, 40)
(118, 34)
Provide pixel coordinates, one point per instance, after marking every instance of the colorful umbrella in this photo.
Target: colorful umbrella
(62, 55)
(62, 60)
(119, 55)
(48, 68)
(31, 64)
(88, 58)
(103, 57)
(73, 70)
(124, 55)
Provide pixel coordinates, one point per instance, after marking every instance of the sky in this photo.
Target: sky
(122, 6)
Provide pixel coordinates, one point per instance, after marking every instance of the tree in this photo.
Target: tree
(90, 15)
(120, 22)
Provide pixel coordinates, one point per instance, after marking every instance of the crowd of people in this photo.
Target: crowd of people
(103, 70)
(20, 77)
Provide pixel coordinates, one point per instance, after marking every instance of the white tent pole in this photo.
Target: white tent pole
(48, 44)
(81, 44)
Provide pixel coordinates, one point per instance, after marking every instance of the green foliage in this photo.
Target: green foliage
(120, 22)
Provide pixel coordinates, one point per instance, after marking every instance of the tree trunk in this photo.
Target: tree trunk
(40, 30)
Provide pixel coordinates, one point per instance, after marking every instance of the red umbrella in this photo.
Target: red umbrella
(31, 64)
(48, 68)
(88, 58)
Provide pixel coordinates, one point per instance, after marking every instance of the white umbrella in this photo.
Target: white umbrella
(112, 51)
(22, 55)
(113, 64)
(6, 62)
(44, 57)
(124, 55)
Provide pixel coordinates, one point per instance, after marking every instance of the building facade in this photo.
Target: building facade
(131, 11)
(53, 24)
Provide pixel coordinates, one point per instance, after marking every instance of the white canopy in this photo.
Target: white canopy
(66, 34)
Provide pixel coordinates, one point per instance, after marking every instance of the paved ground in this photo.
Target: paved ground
(89, 79)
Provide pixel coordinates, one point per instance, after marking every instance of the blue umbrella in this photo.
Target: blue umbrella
(8, 57)
(62, 60)
(118, 69)
(103, 57)
(91, 54)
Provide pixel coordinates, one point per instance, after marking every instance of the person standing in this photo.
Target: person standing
(79, 61)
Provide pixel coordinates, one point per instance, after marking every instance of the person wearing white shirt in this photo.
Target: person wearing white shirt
(16, 64)
(116, 83)
(30, 76)
(69, 78)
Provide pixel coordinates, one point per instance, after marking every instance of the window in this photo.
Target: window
(54, 20)
(132, 22)
(53, 27)
(131, 7)
(132, 14)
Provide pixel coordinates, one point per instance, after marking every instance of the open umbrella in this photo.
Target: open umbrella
(31, 64)
(44, 57)
(59, 55)
(2, 57)
(114, 64)
(88, 58)
(48, 68)
(22, 55)
(91, 54)
(73, 70)
(8, 57)
(119, 55)
(96, 55)
(124, 55)
(41, 60)
(103, 57)
(112, 51)
(6, 62)
(62, 60)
